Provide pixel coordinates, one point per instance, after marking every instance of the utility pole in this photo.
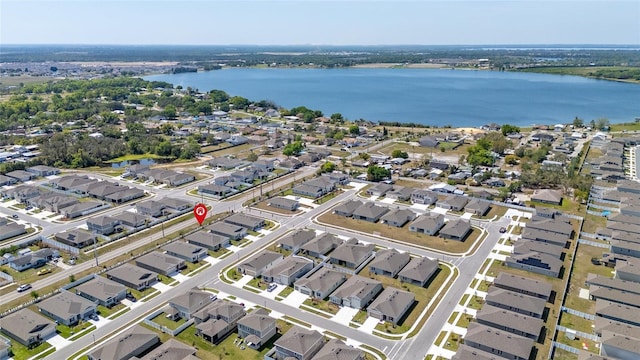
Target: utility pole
(162, 223)
(95, 247)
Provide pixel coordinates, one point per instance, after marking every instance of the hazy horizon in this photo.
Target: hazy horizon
(319, 23)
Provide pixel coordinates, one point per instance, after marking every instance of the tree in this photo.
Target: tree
(239, 102)
(364, 156)
(354, 130)
(337, 117)
(511, 160)
(167, 129)
(252, 156)
(499, 143)
(397, 153)
(327, 167)
(509, 129)
(377, 173)
(170, 112)
(295, 148)
(578, 123)
(602, 124)
(35, 295)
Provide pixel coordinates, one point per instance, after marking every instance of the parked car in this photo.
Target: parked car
(44, 271)
(130, 297)
(24, 287)
(271, 287)
(94, 317)
(213, 297)
(15, 216)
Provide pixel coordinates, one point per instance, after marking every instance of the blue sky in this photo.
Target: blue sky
(319, 22)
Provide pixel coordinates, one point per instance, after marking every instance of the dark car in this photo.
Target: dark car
(503, 230)
(94, 317)
(130, 297)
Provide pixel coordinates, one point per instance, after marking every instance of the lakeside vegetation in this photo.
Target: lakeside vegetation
(617, 73)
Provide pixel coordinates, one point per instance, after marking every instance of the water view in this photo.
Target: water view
(434, 96)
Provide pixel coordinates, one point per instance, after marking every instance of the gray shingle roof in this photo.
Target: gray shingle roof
(26, 324)
(357, 286)
(457, 228)
(297, 238)
(322, 280)
(507, 280)
(515, 300)
(510, 319)
(352, 253)
(419, 269)
(125, 344)
(65, 305)
(392, 302)
(499, 340)
(299, 340)
(335, 349)
(101, 288)
(370, 210)
(390, 260)
(262, 259)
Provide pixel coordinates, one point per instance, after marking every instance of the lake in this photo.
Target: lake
(427, 96)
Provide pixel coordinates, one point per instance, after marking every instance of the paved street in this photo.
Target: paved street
(412, 348)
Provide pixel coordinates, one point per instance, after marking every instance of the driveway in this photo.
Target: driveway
(243, 281)
(295, 299)
(345, 315)
(369, 325)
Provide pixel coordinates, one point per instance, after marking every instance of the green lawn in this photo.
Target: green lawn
(452, 343)
(360, 317)
(68, 331)
(140, 294)
(464, 320)
(21, 352)
(218, 253)
(167, 280)
(192, 267)
(106, 312)
(285, 292)
(257, 283)
(163, 321)
(322, 305)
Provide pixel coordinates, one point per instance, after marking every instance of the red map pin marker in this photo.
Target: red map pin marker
(200, 212)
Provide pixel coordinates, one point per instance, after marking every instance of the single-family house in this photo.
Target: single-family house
(257, 328)
(27, 327)
(133, 276)
(620, 346)
(218, 191)
(498, 342)
(43, 170)
(258, 264)
(250, 222)
(456, 230)
(524, 246)
(335, 349)
(297, 343)
(513, 301)
(67, 308)
(351, 255)
(188, 303)
(283, 203)
(540, 263)
(523, 285)
(510, 321)
(427, 224)
(161, 263)
(321, 283)
(5, 180)
(347, 208)
(21, 193)
(398, 217)
(423, 197)
(357, 292)
(207, 240)
(103, 291)
(389, 262)
(33, 259)
(75, 237)
(453, 202)
(131, 219)
(477, 207)
(11, 229)
(80, 209)
(171, 349)
(102, 224)
(391, 305)
(419, 271)
(321, 245)
(400, 193)
(296, 239)
(379, 189)
(132, 343)
(186, 251)
(547, 196)
(288, 270)
(370, 212)
(21, 175)
(233, 232)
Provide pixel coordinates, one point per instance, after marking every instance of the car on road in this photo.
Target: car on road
(15, 216)
(24, 287)
(271, 287)
(44, 271)
(503, 230)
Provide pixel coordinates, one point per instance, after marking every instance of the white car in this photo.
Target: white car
(271, 287)
(24, 287)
